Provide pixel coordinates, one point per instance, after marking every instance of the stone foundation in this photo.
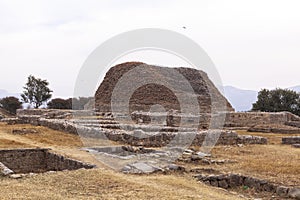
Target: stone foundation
(157, 136)
(274, 128)
(291, 140)
(37, 161)
(227, 181)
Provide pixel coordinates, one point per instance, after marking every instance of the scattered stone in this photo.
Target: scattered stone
(145, 168)
(204, 170)
(223, 184)
(202, 155)
(24, 131)
(126, 169)
(140, 168)
(188, 151)
(294, 193)
(16, 176)
(5, 171)
(50, 172)
(174, 167)
(296, 145)
(282, 191)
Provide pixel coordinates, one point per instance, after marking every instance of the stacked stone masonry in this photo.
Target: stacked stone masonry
(291, 140)
(227, 181)
(38, 160)
(160, 139)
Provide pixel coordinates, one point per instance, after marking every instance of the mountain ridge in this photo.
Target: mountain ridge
(242, 99)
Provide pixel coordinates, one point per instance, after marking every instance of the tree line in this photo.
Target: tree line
(36, 93)
(277, 100)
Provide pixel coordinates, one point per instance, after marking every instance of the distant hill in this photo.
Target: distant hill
(4, 93)
(241, 100)
(295, 88)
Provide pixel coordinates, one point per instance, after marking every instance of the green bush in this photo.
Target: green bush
(10, 104)
(277, 100)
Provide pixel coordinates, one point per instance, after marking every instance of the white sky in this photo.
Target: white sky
(253, 44)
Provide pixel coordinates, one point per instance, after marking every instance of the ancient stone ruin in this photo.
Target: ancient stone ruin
(151, 94)
(113, 131)
(228, 181)
(21, 161)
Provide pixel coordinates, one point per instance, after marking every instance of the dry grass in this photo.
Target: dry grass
(92, 184)
(5, 143)
(45, 136)
(275, 162)
(106, 184)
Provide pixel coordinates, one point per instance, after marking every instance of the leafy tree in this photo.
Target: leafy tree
(10, 104)
(60, 104)
(36, 91)
(277, 100)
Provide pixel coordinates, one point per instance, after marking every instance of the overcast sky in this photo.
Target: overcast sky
(254, 44)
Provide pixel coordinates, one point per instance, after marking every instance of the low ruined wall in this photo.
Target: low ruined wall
(38, 160)
(162, 139)
(274, 128)
(236, 180)
(24, 160)
(55, 162)
(230, 119)
(248, 119)
(157, 140)
(291, 140)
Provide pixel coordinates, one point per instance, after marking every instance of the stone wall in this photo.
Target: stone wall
(55, 162)
(37, 160)
(128, 137)
(158, 140)
(162, 139)
(227, 181)
(24, 160)
(291, 140)
(230, 119)
(274, 128)
(248, 119)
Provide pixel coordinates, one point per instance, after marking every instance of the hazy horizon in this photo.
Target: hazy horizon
(253, 44)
